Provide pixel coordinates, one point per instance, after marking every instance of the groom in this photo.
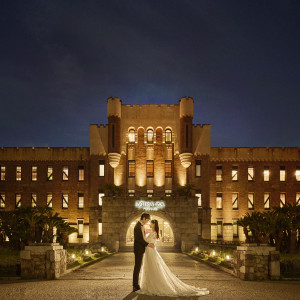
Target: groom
(139, 248)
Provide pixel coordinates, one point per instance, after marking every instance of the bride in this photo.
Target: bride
(156, 277)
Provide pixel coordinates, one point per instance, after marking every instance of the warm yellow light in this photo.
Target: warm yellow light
(197, 249)
(227, 257)
(73, 255)
(102, 249)
(87, 252)
(214, 253)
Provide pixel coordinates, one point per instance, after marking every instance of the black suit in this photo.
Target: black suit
(139, 248)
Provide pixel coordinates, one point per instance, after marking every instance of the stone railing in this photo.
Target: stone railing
(45, 260)
(257, 262)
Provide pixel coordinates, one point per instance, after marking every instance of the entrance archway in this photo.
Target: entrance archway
(165, 231)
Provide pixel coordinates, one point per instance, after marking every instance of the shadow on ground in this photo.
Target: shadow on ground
(135, 296)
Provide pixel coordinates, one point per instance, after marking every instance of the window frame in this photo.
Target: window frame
(150, 141)
(266, 175)
(131, 168)
(220, 196)
(235, 201)
(198, 164)
(249, 201)
(19, 173)
(18, 203)
(80, 221)
(80, 195)
(168, 132)
(49, 175)
(282, 171)
(252, 176)
(101, 169)
(150, 168)
(267, 200)
(234, 173)
(219, 177)
(34, 173)
(168, 169)
(2, 173)
(65, 200)
(49, 203)
(65, 175)
(2, 200)
(33, 199)
(131, 135)
(81, 173)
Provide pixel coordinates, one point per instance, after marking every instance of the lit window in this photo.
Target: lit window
(49, 173)
(168, 193)
(168, 168)
(131, 193)
(150, 168)
(99, 227)
(168, 134)
(100, 195)
(250, 173)
(65, 201)
(282, 199)
(199, 195)
(81, 173)
(266, 174)
(18, 200)
(33, 200)
(34, 173)
(80, 228)
(282, 174)
(234, 173)
(131, 168)
(235, 201)
(18, 173)
(150, 136)
(219, 199)
(198, 168)
(80, 200)
(219, 228)
(298, 199)
(150, 193)
(250, 200)
(267, 200)
(65, 173)
(101, 168)
(199, 227)
(298, 174)
(235, 228)
(2, 177)
(49, 199)
(2, 200)
(219, 173)
(131, 136)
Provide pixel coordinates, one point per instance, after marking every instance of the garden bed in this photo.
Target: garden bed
(9, 262)
(290, 265)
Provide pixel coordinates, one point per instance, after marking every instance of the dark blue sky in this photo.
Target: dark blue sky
(61, 60)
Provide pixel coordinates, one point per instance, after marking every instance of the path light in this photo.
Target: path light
(197, 249)
(227, 257)
(102, 249)
(87, 252)
(214, 253)
(73, 255)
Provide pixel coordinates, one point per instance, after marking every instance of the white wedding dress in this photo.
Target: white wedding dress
(158, 280)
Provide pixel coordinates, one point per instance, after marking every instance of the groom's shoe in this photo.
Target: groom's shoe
(136, 288)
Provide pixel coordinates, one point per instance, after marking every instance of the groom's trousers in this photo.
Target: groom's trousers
(137, 267)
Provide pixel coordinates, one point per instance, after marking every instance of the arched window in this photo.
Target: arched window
(131, 136)
(150, 136)
(168, 133)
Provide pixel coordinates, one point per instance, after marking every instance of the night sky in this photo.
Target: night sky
(239, 60)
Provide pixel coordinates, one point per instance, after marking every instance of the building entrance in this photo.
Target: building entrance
(165, 232)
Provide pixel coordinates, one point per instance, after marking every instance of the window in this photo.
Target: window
(198, 168)
(250, 200)
(65, 200)
(101, 168)
(18, 200)
(168, 193)
(199, 227)
(99, 227)
(298, 174)
(49, 173)
(80, 200)
(150, 136)
(235, 228)
(131, 193)
(168, 168)
(2, 177)
(235, 201)
(131, 168)
(131, 136)
(149, 193)
(18, 173)
(65, 173)
(219, 173)
(282, 174)
(150, 168)
(234, 173)
(2, 200)
(199, 195)
(33, 200)
(49, 199)
(80, 228)
(250, 173)
(219, 228)
(100, 195)
(266, 174)
(282, 199)
(298, 199)
(34, 173)
(267, 200)
(80, 173)
(219, 199)
(168, 134)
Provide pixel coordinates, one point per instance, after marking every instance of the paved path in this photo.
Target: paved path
(111, 279)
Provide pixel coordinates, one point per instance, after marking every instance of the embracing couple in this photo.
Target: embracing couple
(156, 278)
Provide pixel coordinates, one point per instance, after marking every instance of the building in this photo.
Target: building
(150, 153)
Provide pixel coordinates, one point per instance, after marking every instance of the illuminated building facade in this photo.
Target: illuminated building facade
(150, 153)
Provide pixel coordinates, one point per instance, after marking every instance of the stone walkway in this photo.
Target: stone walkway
(111, 279)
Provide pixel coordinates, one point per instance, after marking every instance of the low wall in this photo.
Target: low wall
(43, 261)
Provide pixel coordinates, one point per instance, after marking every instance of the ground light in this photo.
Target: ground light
(214, 253)
(227, 257)
(102, 249)
(73, 255)
(196, 249)
(87, 252)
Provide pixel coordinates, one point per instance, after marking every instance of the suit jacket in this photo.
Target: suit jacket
(139, 244)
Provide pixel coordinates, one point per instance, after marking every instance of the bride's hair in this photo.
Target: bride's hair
(156, 227)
